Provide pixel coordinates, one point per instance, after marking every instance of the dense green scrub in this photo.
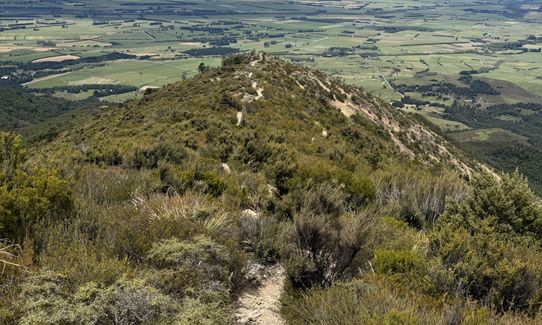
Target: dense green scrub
(19, 108)
(157, 209)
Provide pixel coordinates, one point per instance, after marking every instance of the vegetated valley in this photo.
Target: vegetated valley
(259, 179)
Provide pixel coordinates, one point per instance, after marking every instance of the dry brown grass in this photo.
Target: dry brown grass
(58, 58)
(9, 256)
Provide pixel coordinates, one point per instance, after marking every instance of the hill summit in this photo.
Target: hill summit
(265, 95)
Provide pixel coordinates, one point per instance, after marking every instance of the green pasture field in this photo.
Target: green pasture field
(494, 135)
(435, 116)
(128, 72)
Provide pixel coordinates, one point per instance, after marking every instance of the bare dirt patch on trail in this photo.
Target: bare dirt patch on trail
(258, 90)
(260, 305)
(258, 60)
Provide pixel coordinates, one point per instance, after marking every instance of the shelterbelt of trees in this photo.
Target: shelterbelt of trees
(157, 210)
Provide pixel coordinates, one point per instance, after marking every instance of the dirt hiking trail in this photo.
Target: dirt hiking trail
(260, 305)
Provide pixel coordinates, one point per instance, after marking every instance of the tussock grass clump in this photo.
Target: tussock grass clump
(420, 196)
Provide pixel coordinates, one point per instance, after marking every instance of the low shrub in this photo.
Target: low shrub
(418, 196)
(490, 244)
(318, 248)
(359, 188)
(194, 312)
(201, 181)
(149, 157)
(198, 268)
(396, 261)
(257, 235)
(130, 302)
(372, 299)
(39, 197)
(50, 299)
(110, 185)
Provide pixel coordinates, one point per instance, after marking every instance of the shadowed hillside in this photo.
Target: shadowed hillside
(20, 109)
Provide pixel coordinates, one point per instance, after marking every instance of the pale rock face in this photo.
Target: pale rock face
(250, 213)
(225, 168)
(255, 273)
(272, 190)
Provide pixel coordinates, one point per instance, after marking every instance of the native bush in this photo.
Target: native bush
(109, 185)
(258, 234)
(192, 179)
(418, 196)
(149, 157)
(508, 200)
(50, 299)
(194, 312)
(40, 196)
(396, 261)
(201, 260)
(480, 241)
(320, 244)
(373, 299)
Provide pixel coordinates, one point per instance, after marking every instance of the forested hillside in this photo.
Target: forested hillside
(166, 209)
(20, 108)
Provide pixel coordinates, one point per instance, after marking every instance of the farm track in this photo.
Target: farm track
(51, 76)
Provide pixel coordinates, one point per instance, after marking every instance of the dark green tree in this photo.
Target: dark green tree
(27, 198)
(202, 67)
(480, 239)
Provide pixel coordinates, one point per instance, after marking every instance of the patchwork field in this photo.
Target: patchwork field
(369, 44)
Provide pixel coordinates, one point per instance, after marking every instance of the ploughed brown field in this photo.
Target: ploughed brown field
(59, 58)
